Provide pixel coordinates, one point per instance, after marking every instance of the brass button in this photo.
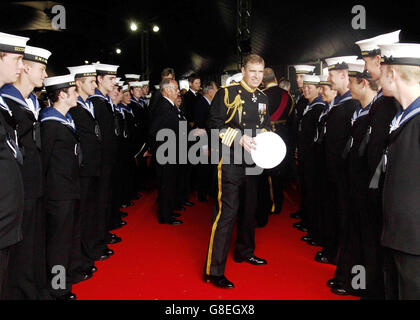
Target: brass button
(258, 126)
(244, 113)
(244, 124)
(242, 101)
(240, 91)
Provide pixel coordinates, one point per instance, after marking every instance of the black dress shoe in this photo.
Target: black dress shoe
(114, 240)
(252, 260)
(180, 208)
(306, 238)
(119, 225)
(123, 214)
(219, 281)
(81, 276)
(322, 259)
(300, 226)
(106, 254)
(174, 222)
(339, 290)
(313, 243)
(67, 296)
(332, 282)
(176, 215)
(189, 203)
(296, 215)
(91, 269)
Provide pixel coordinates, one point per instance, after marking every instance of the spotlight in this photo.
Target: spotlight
(118, 51)
(156, 28)
(133, 26)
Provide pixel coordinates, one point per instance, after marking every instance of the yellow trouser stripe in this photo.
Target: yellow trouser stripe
(273, 207)
(213, 231)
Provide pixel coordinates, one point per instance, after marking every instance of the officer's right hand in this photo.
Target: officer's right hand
(248, 143)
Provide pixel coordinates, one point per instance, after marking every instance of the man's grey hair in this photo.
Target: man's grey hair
(165, 83)
(284, 84)
(209, 86)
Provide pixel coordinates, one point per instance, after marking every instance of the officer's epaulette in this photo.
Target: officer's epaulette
(261, 91)
(231, 85)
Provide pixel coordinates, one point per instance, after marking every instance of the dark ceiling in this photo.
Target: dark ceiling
(201, 35)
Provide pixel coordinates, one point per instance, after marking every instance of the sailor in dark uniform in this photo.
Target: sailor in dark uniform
(138, 107)
(300, 105)
(61, 157)
(400, 77)
(381, 113)
(27, 279)
(306, 131)
(90, 142)
(363, 89)
(11, 187)
(272, 182)
(337, 133)
(320, 190)
(106, 117)
(238, 111)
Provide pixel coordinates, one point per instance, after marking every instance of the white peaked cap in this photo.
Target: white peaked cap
(357, 66)
(59, 82)
(125, 88)
(132, 76)
(311, 79)
(237, 77)
(106, 68)
(120, 83)
(36, 54)
(144, 83)
(135, 84)
(371, 46)
(339, 62)
(323, 78)
(304, 68)
(11, 43)
(401, 53)
(85, 70)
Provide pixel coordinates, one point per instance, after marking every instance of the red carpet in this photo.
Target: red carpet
(163, 262)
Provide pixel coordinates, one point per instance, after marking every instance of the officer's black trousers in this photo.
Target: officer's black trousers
(408, 270)
(203, 177)
(62, 242)
(237, 197)
(27, 257)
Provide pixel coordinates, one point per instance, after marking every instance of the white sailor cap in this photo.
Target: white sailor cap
(144, 83)
(132, 76)
(12, 44)
(157, 87)
(370, 47)
(135, 84)
(356, 67)
(36, 54)
(237, 77)
(304, 69)
(400, 54)
(86, 70)
(125, 88)
(311, 79)
(323, 79)
(339, 63)
(120, 83)
(60, 82)
(105, 69)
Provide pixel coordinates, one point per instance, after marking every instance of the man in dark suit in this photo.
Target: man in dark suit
(200, 114)
(169, 117)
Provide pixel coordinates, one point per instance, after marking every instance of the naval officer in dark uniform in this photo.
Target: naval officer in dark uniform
(238, 111)
(11, 189)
